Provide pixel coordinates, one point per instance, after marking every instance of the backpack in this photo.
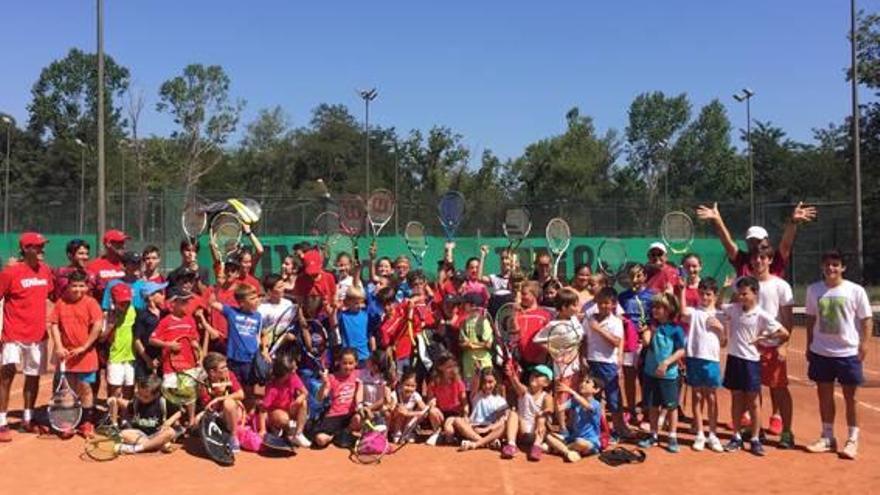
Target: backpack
(621, 455)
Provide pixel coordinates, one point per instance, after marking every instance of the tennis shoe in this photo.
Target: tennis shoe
(508, 452)
(699, 443)
(535, 453)
(672, 446)
(822, 446)
(850, 450)
(301, 441)
(5, 434)
(572, 456)
(432, 440)
(775, 426)
(714, 444)
(234, 446)
(86, 430)
(786, 440)
(734, 445)
(649, 442)
(756, 448)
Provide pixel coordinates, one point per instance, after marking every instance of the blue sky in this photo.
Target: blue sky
(502, 73)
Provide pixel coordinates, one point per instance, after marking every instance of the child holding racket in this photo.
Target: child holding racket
(377, 399)
(531, 319)
(582, 435)
(475, 338)
(527, 426)
(449, 392)
(636, 304)
(120, 362)
(153, 423)
(285, 408)
(75, 325)
(604, 340)
(486, 423)
(665, 342)
(222, 393)
(409, 405)
(343, 388)
(145, 324)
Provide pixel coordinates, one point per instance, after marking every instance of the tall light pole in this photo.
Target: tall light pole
(367, 95)
(10, 122)
(102, 203)
(746, 95)
(82, 184)
(856, 140)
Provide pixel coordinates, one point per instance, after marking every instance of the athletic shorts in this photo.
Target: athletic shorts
(242, 371)
(630, 358)
(120, 374)
(84, 377)
(660, 392)
(31, 357)
(334, 425)
(774, 371)
(703, 373)
(742, 375)
(844, 370)
(169, 380)
(609, 374)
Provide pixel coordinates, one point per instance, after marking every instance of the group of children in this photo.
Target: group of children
(319, 357)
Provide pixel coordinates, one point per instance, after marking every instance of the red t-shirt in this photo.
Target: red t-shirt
(183, 331)
(395, 330)
(324, 286)
(252, 281)
(227, 298)
(529, 323)
(280, 395)
(103, 271)
(741, 264)
(25, 292)
(342, 395)
(448, 395)
(205, 394)
(75, 321)
(61, 281)
(692, 297)
(155, 277)
(658, 280)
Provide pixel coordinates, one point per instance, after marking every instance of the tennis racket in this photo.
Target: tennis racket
(104, 446)
(313, 346)
(186, 391)
(611, 257)
(248, 210)
(677, 231)
(380, 209)
(558, 238)
(325, 226)
(226, 233)
(193, 219)
(352, 217)
(372, 445)
(563, 345)
(216, 438)
(409, 431)
(65, 408)
(517, 225)
(280, 327)
(451, 212)
(416, 242)
(507, 335)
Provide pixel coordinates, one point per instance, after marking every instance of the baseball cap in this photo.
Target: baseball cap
(115, 236)
(472, 298)
(233, 260)
(121, 293)
(657, 245)
(150, 288)
(31, 239)
(131, 258)
(756, 232)
(178, 293)
(312, 262)
(544, 370)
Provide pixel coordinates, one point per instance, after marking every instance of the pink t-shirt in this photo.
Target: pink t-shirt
(448, 395)
(342, 395)
(281, 395)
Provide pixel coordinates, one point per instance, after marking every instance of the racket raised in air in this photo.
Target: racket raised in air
(65, 408)
(248, 210)
(352, 217)
(558, 238)
(451, 212)
(677, 231)
(193, 219)
(416, 241)
(380, 209)
(611, 257)
(226, 233)
(507, 335)
(517, 225)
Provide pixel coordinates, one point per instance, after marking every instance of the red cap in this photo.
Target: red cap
(121, 293)
(313, 262)
(31, 239)
(115, 236)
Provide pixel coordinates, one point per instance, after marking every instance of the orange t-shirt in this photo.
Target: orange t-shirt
(75, 321)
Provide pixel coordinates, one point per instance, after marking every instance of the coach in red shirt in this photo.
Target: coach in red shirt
(24, 287)
(109, 266)
(314, 280)
(662, 276)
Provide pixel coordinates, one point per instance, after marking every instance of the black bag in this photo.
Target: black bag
(621, 455)
(216, 439)
(261, 370)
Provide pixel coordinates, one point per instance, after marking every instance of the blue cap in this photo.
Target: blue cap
(150, 288)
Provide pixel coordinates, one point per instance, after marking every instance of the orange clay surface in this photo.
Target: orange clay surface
(34, 465)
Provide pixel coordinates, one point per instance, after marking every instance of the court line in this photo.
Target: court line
(839, 395)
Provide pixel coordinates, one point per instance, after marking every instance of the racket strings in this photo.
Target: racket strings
(380, 207)
(558, 235)
(516, 224)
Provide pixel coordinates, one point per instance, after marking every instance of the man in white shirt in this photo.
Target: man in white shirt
(839, 324)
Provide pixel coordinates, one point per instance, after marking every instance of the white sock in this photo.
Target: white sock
(27, 414)
(3, 418)
(827, 430)
(854, 433)
(700, 434)
(712, 435)
(138, 448)
(127, 449)
(672, 436)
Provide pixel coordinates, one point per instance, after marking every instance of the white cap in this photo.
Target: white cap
(756, 232)
(657, 245)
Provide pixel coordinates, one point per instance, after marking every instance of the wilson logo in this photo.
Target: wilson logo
(27, 283)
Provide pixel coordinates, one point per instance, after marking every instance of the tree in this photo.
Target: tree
(200, 103)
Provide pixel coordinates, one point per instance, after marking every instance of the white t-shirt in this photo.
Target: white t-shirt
(487, 409)
(591, 308)
(271, 313)
(500, 285)
(703, 343)
(745, 327)
(839, 312)
(775, 293)
(599, 349)
(413, 402)
(342, 287)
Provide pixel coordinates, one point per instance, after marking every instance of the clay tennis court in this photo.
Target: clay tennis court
(40, 465)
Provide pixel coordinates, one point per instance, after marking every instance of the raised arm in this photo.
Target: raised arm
(712, 214)
(801, 214)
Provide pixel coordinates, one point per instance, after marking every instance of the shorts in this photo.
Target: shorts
(169, 380)
(742, 375)
(141, 370)
(572, 437)
(609, 374)
(844, 370)
(774, 371)
(334, 425)
(660, 392)
(630, 359)
(703, 373)
(83, 377)
(525, 439)
(242, 371)
(120, 374)
(30, 357)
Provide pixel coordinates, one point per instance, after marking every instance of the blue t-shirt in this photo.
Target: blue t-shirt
(403, 291)
(636, 305)
(353, 330)
(667, 339)
(243, 340)
(374, 308)
(138, 302)
(585, 423)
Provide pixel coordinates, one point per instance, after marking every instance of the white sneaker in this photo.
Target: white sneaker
(432, 440)
(715, 444)
(302, 441)
(699, 443)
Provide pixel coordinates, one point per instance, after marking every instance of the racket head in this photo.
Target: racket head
(558, 235)
(352, 214)
(64, 408)
(226, 232)
(451, 209)
(505, 321)
(380, 209)
(677, 231)
(416, 241)
(611, 257)
(320, 340)
(216, 438)
(280, 327)
(186, 389)
(325, 224)
(517, 225)
(563, 341)
(247, 210)
(102, 447)
(193, 218)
